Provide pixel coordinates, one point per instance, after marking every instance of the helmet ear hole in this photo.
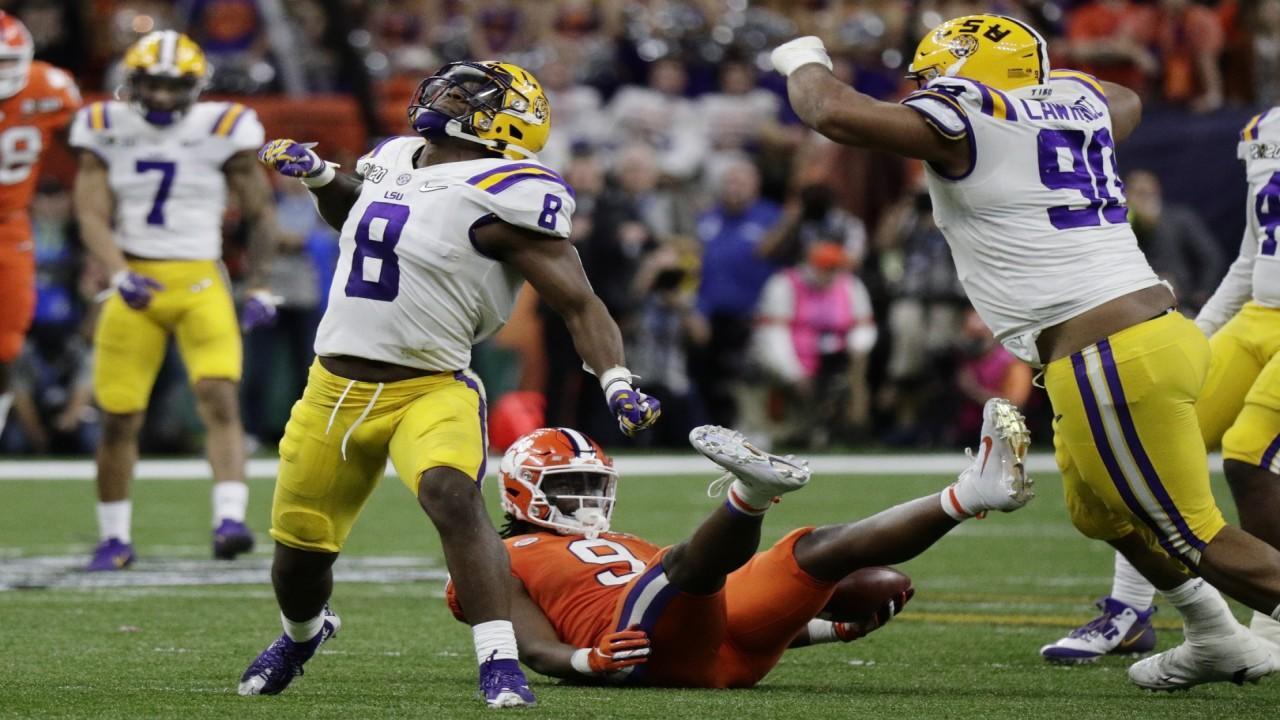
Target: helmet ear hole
(514, 132)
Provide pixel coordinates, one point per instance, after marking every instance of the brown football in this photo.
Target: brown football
(864, 592)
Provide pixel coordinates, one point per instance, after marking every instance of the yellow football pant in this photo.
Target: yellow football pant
(129, 345)
(1127, 440)
(1239, 407)
(340, 434)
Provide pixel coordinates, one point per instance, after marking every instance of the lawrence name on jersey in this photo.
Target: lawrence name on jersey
(1023, 175)
(439, 231)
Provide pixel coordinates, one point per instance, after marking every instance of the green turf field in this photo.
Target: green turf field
(173, 641)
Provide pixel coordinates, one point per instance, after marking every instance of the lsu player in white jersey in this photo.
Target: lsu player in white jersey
(1021, 167)
(155, 169)
(439, 230)
(1238, 409)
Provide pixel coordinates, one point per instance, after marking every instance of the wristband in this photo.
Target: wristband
(118, 279)
(325, 176)
(581, 662)
(616, 374)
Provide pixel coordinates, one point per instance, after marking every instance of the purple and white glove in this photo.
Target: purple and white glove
(136, 290)
(259, 310)
(634, 410)
(297, 160)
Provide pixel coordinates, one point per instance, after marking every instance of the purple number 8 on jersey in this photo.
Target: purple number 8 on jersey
(381, 250)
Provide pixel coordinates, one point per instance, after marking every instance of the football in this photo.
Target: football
(866, 592)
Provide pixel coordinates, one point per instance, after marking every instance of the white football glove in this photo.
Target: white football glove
(789, 57)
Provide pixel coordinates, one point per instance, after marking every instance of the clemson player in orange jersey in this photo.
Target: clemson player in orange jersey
(36, 102)
(711, 612)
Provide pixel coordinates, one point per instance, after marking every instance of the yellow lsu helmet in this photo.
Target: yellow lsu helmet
(995, 50)
(496, 104)
(165, 71)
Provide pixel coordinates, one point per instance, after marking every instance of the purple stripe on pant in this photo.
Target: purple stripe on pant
(484, 423)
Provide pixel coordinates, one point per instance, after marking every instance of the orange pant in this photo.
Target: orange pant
(17, 297)
(732, 638)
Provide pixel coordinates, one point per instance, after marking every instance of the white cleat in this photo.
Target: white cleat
(1267, 630)
(757, 469)
(997, 478)
(1238, 659)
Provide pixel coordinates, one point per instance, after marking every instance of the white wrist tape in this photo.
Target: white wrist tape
(118, 279)
(791, 56)
(580, 661)
(325, 177)
(613, 376)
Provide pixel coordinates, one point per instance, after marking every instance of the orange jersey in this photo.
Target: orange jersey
(577, 581)
(28, 123)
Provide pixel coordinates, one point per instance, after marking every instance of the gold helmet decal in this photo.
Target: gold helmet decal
(995, 50)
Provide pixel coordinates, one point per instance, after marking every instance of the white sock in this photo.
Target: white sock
(1205, 615)
(6, 401)
(495, 640)
(953, 505)
(115, 520)
(1130, 587)
(747, 500)
(822, 631)
(302, 631)
(229, 501)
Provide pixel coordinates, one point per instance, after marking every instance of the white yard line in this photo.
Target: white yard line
(628, 465)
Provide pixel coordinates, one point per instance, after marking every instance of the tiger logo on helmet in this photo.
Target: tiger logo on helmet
(559, 479)
(165, 72)
(495, 104)
(995, 50)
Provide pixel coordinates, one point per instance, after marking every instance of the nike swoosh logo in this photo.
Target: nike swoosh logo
(986, 445)
(1129, 641)
(429, 188)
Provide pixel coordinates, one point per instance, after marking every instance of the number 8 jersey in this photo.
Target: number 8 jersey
(410, 287)
(168, 182)
(1037, 223)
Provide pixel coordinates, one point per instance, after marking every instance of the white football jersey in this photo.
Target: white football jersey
(1038, 224)
(1255, 275)
(169, 186)
(410, 288)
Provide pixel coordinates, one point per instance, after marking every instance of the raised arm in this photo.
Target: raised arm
(553, 268)
(335, 193)
(1126, 109)
(851, 118)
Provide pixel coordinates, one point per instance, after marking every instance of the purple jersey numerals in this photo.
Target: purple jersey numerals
(382, 250)
(167, 170)
(1266, 206)
(1091, 173)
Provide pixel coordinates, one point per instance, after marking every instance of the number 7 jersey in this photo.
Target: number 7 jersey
(1037, 223)
(410, 288)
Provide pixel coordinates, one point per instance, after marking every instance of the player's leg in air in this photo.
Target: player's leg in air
(772, 602)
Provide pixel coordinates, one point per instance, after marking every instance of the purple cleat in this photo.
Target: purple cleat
(282, 661)
(1119, 630)
(503, 684)
(111, 554)
(231, 539)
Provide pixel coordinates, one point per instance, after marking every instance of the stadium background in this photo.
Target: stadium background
(695, 184)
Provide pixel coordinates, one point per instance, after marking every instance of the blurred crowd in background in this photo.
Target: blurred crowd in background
(763, 276)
